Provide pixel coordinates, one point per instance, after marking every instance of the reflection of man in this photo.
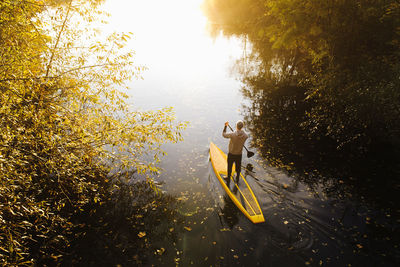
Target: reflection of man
(236, 143)
(230, 212)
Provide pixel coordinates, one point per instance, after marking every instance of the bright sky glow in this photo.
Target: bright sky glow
(170, 38)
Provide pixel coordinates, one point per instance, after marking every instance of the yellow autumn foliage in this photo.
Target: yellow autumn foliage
(66, 129)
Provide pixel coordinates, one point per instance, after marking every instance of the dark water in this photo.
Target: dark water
(302, 226)
(305, 224)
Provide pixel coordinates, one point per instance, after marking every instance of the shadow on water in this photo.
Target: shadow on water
(315, 229)
(338, 204)
(135, 225)
(367, 172)
(304, 224)
(229, 213)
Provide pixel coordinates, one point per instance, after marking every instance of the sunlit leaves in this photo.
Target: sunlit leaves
(141, 234)
(66, 127)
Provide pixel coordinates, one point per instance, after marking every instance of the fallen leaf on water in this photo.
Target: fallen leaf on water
(188, 228)
(141, 234)
(224, 229)
(160, 251)
(285, 222)
(171, 229)
(359, 246)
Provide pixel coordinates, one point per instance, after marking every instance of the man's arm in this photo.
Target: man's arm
(224, 134)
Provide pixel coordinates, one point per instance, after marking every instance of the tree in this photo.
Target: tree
(323, 82)
(66, 128)
(343, 54)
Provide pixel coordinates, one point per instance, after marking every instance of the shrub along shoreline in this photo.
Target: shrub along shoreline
(67, 134)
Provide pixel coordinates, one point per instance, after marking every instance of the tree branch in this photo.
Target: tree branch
(58, 38)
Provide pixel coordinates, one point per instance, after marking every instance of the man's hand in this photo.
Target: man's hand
(226, 124)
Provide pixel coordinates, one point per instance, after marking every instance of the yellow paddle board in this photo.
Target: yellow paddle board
(242, 195)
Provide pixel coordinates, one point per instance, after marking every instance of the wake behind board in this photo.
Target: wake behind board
(241, 194)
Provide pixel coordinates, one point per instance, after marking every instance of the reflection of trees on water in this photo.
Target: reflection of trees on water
(126, 230)
(273, 118)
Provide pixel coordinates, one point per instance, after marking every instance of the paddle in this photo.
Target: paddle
(249, 153)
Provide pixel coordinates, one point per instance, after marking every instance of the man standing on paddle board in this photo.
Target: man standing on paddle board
(236, 143)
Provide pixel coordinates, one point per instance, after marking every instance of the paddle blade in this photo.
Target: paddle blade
(250, 154)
